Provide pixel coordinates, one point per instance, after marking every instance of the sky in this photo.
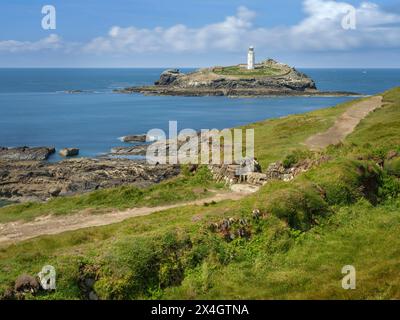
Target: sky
(199, 33)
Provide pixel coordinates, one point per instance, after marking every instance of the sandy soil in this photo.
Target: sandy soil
(345, 124)
(13, 232)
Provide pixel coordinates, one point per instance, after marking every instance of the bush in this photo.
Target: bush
(298, 204)
(295, 157)
(345, 181)
(137, 268)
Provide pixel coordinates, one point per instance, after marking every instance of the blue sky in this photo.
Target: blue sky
(177, 33)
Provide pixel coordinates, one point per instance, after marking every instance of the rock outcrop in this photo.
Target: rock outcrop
(26, 283)
(26, 153)
(168, 77)
(69, 152)
(37, 180)
(139, 150)
(134, 138)
(269, 78)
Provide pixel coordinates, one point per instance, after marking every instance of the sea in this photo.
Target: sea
(36, 110)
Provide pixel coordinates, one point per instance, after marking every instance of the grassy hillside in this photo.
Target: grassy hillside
(344, 211)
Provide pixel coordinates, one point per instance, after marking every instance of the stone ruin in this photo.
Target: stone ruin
(249, 171)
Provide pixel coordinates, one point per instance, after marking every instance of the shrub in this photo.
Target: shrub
(298, 204)
(345, 181)
(137, 268)
(294, 157)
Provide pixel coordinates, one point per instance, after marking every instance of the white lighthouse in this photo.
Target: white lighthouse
(250, 58)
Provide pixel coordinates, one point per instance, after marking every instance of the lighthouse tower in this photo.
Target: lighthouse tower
(250, 58)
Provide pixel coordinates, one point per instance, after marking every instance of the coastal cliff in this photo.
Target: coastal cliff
(267, 79)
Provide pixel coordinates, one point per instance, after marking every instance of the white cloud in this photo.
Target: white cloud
(226, 35)
(53, 42)
(320, 30)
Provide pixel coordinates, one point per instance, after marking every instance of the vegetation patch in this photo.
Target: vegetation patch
(242, 71)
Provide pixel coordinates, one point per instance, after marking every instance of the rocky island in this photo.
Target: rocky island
(268, 78)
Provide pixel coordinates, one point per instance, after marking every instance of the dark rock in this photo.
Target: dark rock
(134, 138)
(26, 153)
(69, 152)
(89, 282)
(73, 91)
(133, 151)
(54, 191)
(168, 77)
(26, 283)
(193, 168)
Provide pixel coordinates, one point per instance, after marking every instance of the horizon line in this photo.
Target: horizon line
(183, 67)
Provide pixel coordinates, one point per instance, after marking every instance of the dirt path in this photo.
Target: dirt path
(345, 124)
(13, 232)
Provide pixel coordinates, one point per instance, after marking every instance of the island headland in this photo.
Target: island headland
(268, 78)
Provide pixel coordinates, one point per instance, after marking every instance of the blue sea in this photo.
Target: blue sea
(36, 111)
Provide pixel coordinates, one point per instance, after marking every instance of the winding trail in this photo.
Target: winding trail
(345, 124)
(16, 231)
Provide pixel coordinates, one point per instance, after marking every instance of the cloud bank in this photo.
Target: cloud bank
(52, 42)
(320, 30)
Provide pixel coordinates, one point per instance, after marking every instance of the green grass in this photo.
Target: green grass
(243, 72)
(344, 211)
(308, 265)
(275, 139)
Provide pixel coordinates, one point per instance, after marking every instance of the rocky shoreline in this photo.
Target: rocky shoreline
(26, 153)
(40, 180)
(235, 93)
